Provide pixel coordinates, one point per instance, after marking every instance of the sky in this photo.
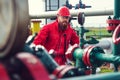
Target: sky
(36, 6)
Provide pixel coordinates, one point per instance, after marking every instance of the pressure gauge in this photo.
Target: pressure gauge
(81, 18)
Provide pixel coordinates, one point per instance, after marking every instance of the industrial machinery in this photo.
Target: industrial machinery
(92, 56)
(113, 26)
(77, 6)
(20, 62)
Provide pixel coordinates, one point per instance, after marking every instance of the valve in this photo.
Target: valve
(81, 5)
(82, 31)
(68, 5)
(52, 67)
(112, 24)
(77, 6)
(91, 56)
(115, 38)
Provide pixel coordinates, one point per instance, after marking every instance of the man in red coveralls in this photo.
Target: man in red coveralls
(58, 35)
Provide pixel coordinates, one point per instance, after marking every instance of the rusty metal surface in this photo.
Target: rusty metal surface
(14, 20)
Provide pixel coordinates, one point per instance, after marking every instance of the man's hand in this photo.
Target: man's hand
(36, 47)
(70, 50)
(52, 53)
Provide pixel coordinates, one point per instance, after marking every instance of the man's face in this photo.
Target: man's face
(63, 21)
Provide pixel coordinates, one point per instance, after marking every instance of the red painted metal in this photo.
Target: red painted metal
(85, 55)
(65, 70)
(115, 38)
(69, 52)
(88, 55)
(88, 72)
(3, 73)
(58, 70)
(112, 24)
(34, 66)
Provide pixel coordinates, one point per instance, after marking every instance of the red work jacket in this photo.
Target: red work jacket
(52, 38)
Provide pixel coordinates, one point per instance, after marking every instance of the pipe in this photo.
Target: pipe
(51, 14)
(94, 56)
(105, 43)
(104, 76)
(116, 35)
(116, 9)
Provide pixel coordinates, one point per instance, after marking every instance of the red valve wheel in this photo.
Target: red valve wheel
(115, 38)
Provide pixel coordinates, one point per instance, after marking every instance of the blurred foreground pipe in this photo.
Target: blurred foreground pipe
(104, 76)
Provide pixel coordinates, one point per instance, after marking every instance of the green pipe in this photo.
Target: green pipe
(77, 55)
(96, 57)
(116, 16)
(116, 9)
(116, 47)
(108, 58)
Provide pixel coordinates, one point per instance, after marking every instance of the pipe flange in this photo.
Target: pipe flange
(58, 70)
(61, 71)
(85, 56)
(70, 51)
(64, 72)
(93, 60)
(89, 56)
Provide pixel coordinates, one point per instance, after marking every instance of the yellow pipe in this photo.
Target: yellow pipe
(35, 25)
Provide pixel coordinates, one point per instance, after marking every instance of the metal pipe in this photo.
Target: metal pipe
(107, 58)
(104, 76)
(116, 47)
(116, 9)
(105, 43)
(94, 56)
(74, 13)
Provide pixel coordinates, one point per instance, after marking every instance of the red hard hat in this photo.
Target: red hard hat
(63, 11)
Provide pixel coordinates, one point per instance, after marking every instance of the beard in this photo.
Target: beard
(63, 25)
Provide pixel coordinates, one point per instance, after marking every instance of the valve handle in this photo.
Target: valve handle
(115, 38)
